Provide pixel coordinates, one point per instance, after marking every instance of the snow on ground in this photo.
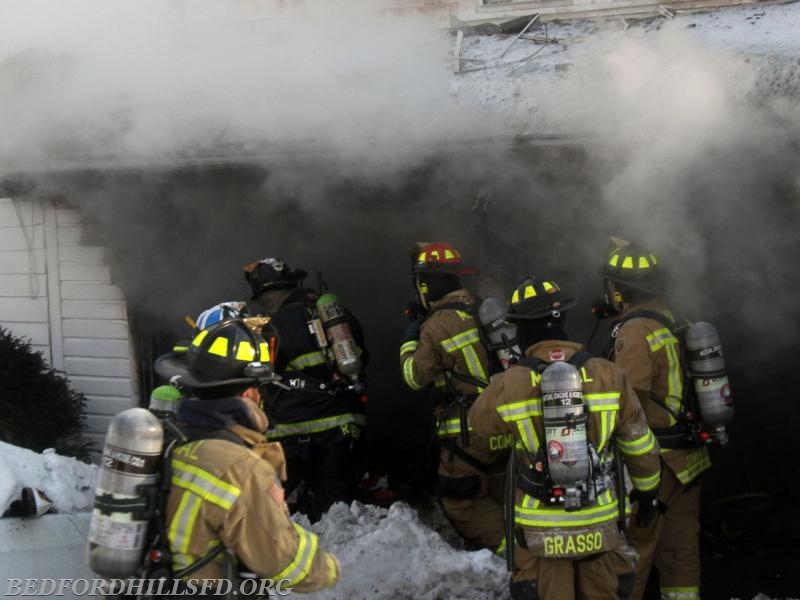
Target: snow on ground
(366, 539)
(68, 482)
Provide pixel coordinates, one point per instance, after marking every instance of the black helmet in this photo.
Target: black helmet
(272, 274)
(223, 360)
(535, 298)
(634, 267)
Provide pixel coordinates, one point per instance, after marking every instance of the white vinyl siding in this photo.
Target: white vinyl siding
(59, 294)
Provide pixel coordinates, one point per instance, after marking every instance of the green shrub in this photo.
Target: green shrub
(38, 410)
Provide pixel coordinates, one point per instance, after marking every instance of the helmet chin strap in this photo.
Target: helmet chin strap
(422, 293)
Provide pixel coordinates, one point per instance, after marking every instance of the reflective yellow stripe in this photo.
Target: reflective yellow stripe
(680, 593)
(639, 446)
(699, 461)
(409, 346)
(527, 434)
(440, 381)
(602, 401)
(181, 527)
(474, 365)
(204, 484)
(607, 404)
(606, 510)
(199, 337)
(315, 426)
(298, 569)
(449, 427)
(305, 361)
(659, 338)
(457, 342)
(645, 484)
(674, 384)
(408, 374)
(608, 420)
(219, 347)
(501, 548)
(245, 352)
(514, 411)
(663, 338)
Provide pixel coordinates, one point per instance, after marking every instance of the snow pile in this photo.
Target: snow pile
(390, 553)
(68, 482)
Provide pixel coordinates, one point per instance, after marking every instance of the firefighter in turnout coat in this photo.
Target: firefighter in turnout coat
(571, 536)
(442, 347)
(320, 421)
(644, 346)
(226, 493)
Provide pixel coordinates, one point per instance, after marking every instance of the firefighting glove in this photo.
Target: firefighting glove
(412, 329)
(647, 509)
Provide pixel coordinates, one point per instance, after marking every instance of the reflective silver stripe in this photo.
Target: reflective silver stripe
(298, 569)
(639, 446)
(315, 426)
(474, 365)
(527, 433)
(674, 384)
(648, 483)
(680, 593)
(557, 517)
(305, 361)
(607, 425)
(532, 407)
(659, 338)
(699, 461)
(449, 427)
(206, 485)
(181, 527)
(408, 374)
(602, 401)
(462, 339)
(409, 346)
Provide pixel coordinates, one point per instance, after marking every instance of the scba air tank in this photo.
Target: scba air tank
(708, 371)
(565, 421)
(346, 352)
(131, 460)
(501, 334)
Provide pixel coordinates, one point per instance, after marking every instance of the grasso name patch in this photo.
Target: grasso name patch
(561, 545)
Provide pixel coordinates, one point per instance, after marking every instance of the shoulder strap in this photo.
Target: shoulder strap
(533, 363)
(645, 314)
(467, 308)
(577, 360)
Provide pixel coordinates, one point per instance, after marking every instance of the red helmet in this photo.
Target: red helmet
(438, 257)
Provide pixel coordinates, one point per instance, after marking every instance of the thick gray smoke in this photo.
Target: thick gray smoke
(166, 80)
(197, 137)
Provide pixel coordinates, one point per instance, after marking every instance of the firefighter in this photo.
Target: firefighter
(567, 514)
(644, 346)
(226, 492)
(320, 421)
(442, 346)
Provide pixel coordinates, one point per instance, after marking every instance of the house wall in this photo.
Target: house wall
(58, 293)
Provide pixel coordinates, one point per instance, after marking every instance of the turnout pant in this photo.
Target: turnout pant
(472, 498)
(672, 542)
(331, 465)
(605, 576)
